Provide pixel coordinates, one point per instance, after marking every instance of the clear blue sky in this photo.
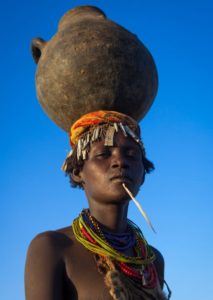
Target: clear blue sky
(177, 132)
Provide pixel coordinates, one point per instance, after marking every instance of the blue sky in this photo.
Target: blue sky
(177, 132)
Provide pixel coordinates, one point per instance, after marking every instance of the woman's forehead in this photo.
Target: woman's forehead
(119, 141)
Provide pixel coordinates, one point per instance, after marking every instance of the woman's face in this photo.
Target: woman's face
(106, 168)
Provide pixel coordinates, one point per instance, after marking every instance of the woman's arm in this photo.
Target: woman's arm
(44, 268)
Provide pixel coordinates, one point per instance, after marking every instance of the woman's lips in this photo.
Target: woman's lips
(121, 178)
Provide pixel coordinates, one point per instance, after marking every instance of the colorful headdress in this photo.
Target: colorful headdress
(94, 126)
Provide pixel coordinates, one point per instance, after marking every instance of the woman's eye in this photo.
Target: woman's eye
(130, 153)
(103, 154)
(133, 154)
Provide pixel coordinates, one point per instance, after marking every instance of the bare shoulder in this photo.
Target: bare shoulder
(159, 264)
(51, 241)
(158, 254)
(45, 267)
(49, 246)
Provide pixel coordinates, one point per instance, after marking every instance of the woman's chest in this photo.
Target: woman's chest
(84, 281)
(82, 276)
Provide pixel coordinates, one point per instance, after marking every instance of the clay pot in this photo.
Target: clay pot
(90, 64)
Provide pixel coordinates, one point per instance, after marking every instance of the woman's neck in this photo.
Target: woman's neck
(112, 216)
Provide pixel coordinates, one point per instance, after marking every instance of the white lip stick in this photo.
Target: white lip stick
(139, 207)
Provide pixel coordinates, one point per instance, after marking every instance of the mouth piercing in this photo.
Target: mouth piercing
(139, 207)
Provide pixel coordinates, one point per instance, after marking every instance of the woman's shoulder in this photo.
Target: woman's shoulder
(159, 264)
(45, 263)
(51, 242)
(158, 255)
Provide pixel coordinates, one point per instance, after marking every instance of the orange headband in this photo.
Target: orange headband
(89, 128)
(93, 119)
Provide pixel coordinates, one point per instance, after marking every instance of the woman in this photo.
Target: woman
(103, 255)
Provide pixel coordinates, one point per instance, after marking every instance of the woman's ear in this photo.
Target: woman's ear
(76, 176)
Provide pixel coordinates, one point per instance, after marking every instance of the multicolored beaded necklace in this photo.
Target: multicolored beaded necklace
(138, 268)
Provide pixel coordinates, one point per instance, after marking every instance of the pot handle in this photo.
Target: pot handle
(36, 46)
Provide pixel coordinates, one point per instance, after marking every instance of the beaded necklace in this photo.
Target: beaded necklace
(138, 269)
(119, 241)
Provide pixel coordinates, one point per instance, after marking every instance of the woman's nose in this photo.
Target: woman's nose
(119, 160)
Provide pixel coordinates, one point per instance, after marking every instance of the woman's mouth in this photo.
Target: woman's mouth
(121, 179)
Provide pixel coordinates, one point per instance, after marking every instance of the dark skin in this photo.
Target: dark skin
(60, 268)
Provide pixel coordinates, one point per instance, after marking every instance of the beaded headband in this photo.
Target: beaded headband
(99, 125)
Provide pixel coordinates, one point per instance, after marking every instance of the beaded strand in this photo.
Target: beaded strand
(138, 268)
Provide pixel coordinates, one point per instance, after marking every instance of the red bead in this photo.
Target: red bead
(87, 236)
